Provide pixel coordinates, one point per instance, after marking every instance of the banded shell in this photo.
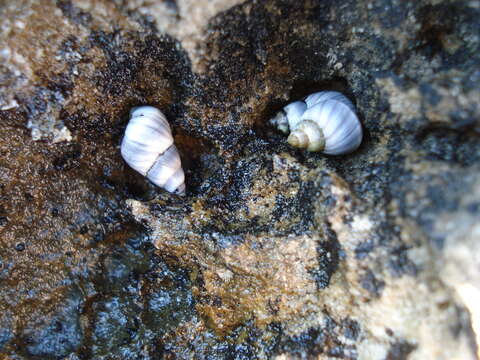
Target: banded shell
(325, 121)
(148, 148)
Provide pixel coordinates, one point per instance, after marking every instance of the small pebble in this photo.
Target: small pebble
(20, 247)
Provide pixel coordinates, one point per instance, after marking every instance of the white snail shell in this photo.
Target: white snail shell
(147, 147)
(325, 121)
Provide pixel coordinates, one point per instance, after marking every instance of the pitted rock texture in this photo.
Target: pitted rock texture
(274, 253)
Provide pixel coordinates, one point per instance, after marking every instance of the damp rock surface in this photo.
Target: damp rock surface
(274, 253)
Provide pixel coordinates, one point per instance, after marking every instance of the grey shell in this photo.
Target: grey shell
(147, 147)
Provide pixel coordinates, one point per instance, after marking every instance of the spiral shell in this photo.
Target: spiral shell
(148, 148)
(325, 121)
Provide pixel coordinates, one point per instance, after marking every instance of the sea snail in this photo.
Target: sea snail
(324, 121)
(147, 147)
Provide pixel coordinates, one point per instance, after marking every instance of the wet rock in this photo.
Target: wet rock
(60, 335)
(274, 252)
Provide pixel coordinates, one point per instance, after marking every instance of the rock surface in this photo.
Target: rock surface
(274, 253)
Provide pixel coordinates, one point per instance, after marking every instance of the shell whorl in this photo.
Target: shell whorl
(307, 135)
(147, 147)
(285, 119)
(328, 123)
(318, 97)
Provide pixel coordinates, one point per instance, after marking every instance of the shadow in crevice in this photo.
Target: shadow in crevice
(200, 160)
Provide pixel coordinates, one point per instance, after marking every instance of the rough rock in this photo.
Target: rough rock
(274, 253)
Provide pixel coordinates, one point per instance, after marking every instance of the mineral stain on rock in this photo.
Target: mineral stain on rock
(274, 253)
